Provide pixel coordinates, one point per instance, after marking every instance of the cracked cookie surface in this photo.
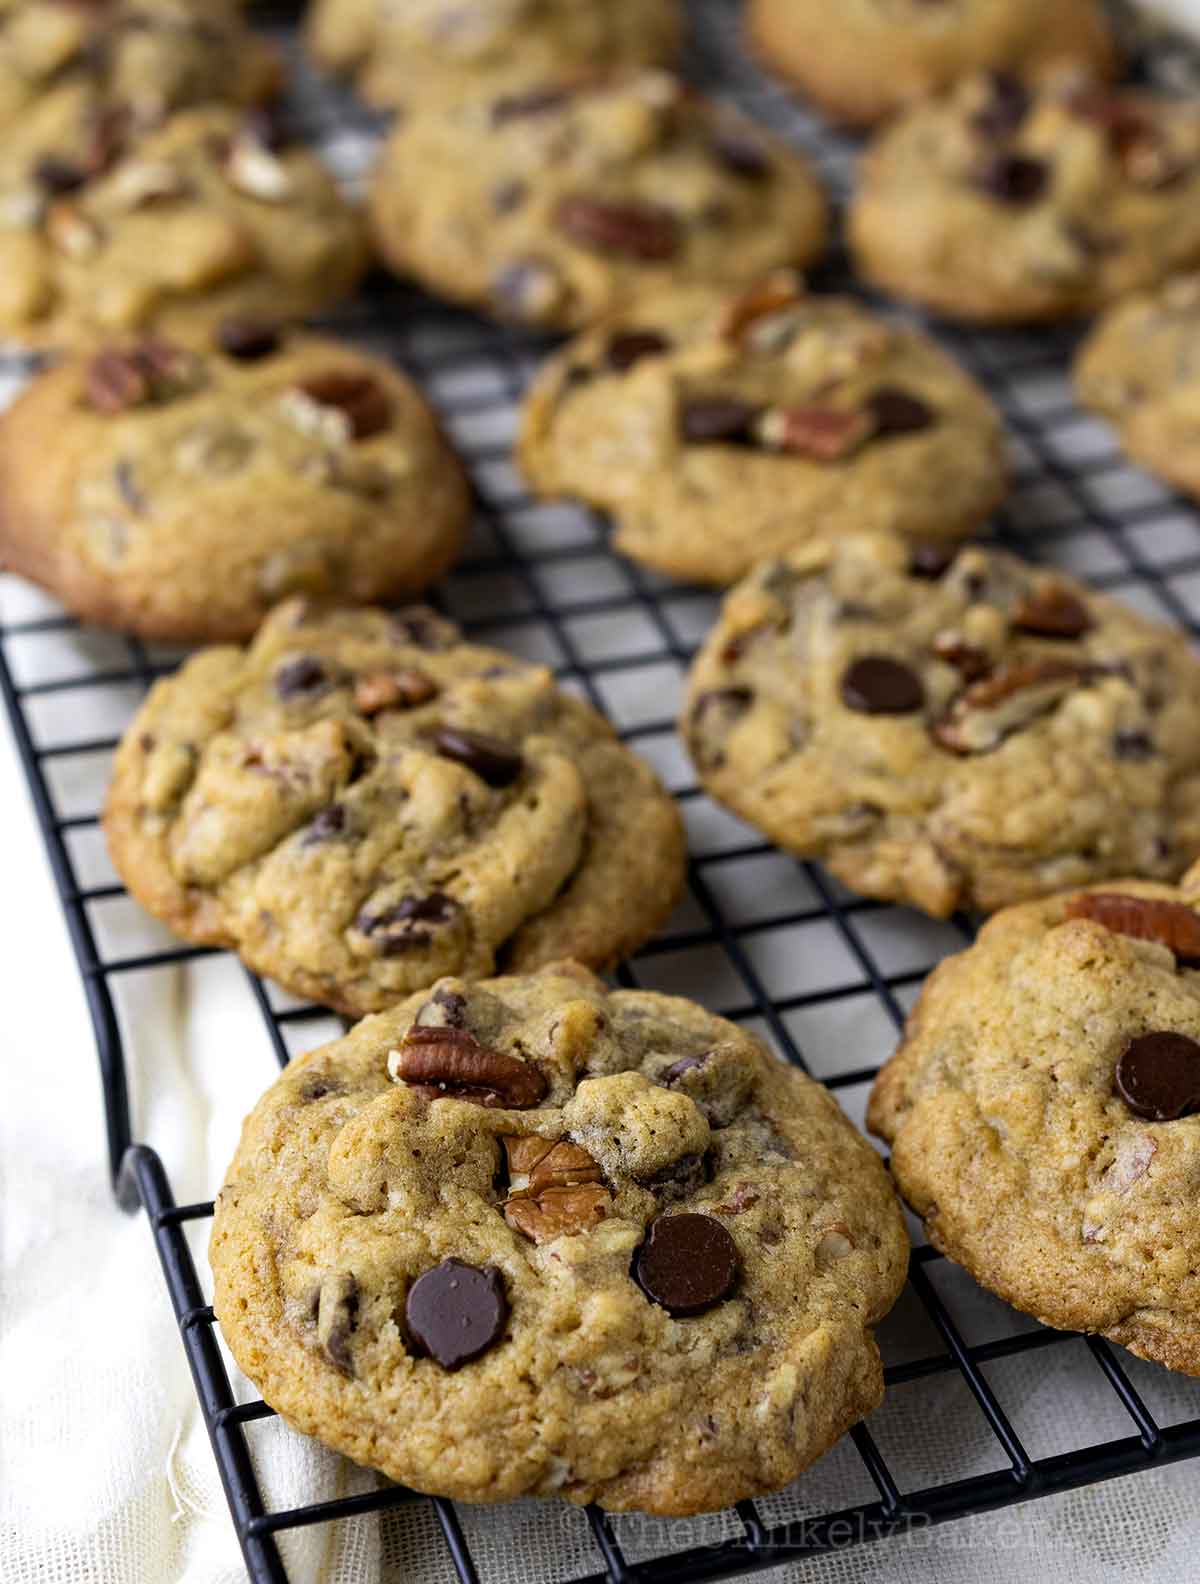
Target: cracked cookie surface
(1042, 1113)
(528, 1237)
(863, 60)
(206, 218)
(999, 204)
(558, 199)
(720, 425)
(949, 729)
(1140, 368)
(400, 54)
(179, 493)
(361, 802)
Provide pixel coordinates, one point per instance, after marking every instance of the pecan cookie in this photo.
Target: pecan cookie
(360, 802)
(1140, 368)
(180, 494)
(399, 53)
(1042, 1113)
(1001, 204)
(557, 200)
(206, 218)
(527, 1237)
(861, 60)
(949, 730)
(720, 425)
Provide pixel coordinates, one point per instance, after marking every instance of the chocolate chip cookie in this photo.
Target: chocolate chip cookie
(1001, 204)
(527, 1237)
(720, 425)
(1140, 368)
(949, 729)
(207, 218)
(1042, 1113)
(399, 54)
(556, 200)
(180, 493)
(862, 60)
(361, 802)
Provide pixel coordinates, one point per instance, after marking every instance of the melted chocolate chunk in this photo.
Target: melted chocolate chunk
(628, 347)
(717, 420)
(489, 757)
(879, 685)
(248, 340)
(303, 675)
(897, 412)
(1013, 178)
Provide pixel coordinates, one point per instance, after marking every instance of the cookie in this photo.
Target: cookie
(205, 219)
(527, 1237)
(397, 55)
(1140, 369)
(949, 730)
(361, 802)
(180, 494)
(720, 425)
(1042, 1113)
(556, 201)
(865, 59)
(998, 204)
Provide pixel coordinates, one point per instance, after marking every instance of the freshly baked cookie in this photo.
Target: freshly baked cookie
(949, 730)
(397, 54)
(205, 219)
(720, 425)
(860, 60)
(1042, 1113)
(180, 494)
(997, 204)
(556, 201)
(361, 802)
(1140, 368)
(527, 1237)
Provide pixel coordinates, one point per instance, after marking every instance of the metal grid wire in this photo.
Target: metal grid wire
(764, 940)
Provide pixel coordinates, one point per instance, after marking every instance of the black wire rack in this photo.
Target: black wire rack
(797, 953)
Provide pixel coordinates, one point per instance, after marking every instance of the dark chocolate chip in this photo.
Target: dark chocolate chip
(685, 1064)
(1158, 1076)
(57, 176)
(879, 685)
(305, 674)
(337, 1318)
(456, 1311)
(1013, 178)
(717, 419)
(398, 929)
(679, 1180)
(645, 231)
(897, 412)
(489, 757)
(628, 347)
(330, 822)
(248, 340)
(316, 1088)
(931, 561)
(742, 153)
(420, 625)
(1007, 105)
(453, 1005)
(687, 1264)
(359, 397)
(1133, 745)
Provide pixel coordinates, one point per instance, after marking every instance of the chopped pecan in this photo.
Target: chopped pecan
(966, 658)
(1053, 611)
(1171, 924)
(450, 1062)
(778, 291)
(72, 232)
(822, 434)
(152, 370)
(645, 231)
(564, 1192)
(990, 710)
(382, 690)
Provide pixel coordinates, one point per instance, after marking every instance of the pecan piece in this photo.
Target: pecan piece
(151, 370)
(990, 710)
(1053, 611)
(564, 1193)
(361, 399)
(382, 690)
(643, 231)
(778, 291)
(1171, 924)
(450, 1062)
(558, 1212)
(822, 434)
(966, 658)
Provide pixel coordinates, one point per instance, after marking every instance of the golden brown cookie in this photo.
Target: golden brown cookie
(180, 493)
(361, 802)
(557, 201)
(1043, 1113)
(528, 1237)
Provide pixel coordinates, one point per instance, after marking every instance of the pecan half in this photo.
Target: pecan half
(449, 1062)
(381, 690)
(1171, 924)
(1053, 612)
(822, 434)
(780, 290)
(644, 231)
(564, 1193)
(990, 710)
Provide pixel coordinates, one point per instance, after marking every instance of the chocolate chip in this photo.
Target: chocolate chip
(1013, 178)
(360, 397)
(628, 347)
(337, 1319)
(305, 674)
(456, 1311)
(1007, 105)
(717, 420)
(878, 685)
(489, 757)
(1133, 745)
(897, 412)
(1158, 1076)
(679, 1180)
(423, 627)
(330, 822)
(644, 231)
(397, 929)
(685, 1064)
(248, 340)
(687, 1264)
(57, 176)
(453, 1005)
(931, 561)
(741, 152)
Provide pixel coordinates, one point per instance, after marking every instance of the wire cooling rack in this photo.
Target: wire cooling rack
(761, 939)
